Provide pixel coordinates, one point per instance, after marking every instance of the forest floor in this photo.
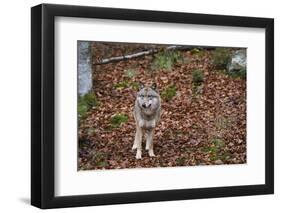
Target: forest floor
(203, 120)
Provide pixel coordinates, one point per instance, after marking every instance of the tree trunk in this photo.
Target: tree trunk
(84, 68)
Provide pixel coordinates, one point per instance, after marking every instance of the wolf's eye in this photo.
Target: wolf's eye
(142, 96)
(149, 96)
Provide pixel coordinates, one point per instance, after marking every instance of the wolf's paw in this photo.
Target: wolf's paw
(146, 147)
(138, 155)
(151, 153)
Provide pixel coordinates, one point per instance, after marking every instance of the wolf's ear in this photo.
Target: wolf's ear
(141, 85)
(154, 86)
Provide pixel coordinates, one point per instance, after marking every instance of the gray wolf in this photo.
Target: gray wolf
(146, 112)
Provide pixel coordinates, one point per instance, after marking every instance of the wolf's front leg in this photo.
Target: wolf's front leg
(149, 143)
(137, 136)
(137, 142)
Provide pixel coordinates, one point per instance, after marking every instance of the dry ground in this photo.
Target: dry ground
(200, 125)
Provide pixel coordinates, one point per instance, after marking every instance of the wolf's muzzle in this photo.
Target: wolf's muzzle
(146, 106)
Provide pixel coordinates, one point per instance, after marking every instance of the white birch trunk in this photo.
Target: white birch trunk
(84, 68)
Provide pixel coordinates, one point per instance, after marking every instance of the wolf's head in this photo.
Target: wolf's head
(148, 99)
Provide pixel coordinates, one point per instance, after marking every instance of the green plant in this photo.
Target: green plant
(197, 52)
(126, 84)
(180, 161)
(194, 51)
(100, 159)
(169, 93)
(197, 76)
(218, 143)
(221, 57)
(197, 89)
(82, 111)
(130, 73)
(166, 59)
(117, 120)
(121, 85)
(85, 103)
(225, 156)
(242, 73)
(222, 122)
(88, 99)
(214, 149)
(135, 86)
(205, 149)
(102, 164)
(197, 79)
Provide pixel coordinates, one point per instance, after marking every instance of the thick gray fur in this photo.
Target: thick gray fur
(147, 112)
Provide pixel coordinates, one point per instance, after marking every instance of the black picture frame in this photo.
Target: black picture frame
(43, 102)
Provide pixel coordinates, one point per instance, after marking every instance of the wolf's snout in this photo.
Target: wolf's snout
(146, 106)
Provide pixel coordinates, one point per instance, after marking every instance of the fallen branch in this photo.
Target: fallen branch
(135, 55)
(143, 53)
(125, 57)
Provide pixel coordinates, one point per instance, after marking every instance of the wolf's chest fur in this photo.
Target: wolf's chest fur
(144, 121)
(147, 124)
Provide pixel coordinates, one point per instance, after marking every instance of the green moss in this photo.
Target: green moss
(121, 85)
(130, 73)
(166, 59)
(214, 157)
(180, 161)
(243, 73)
(225, 156)
(218, 143)
(197, 76)
(197, 80)
(89, 99)
(210, 149)
(221, 57)
(100, 159)
(169, 93)
(82, 111)
(85, 103)
(117, 120)
(102, 164)
(126, 84)
(197, 52)
(205, 149)
(214, 149)
(238, 74)
(194, 51)
(135, 86)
